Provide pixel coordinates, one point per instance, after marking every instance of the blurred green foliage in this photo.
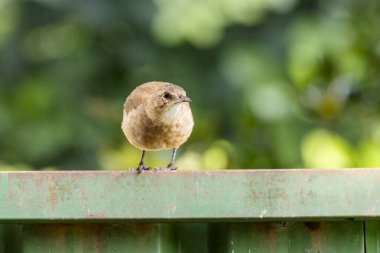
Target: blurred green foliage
(274, 83)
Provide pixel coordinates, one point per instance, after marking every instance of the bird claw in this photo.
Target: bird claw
(165, 168)
(142, 167)
(171, 166)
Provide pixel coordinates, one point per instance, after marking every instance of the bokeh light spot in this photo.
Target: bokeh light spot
(323, 149)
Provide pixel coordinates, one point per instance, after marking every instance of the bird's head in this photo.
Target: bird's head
(167, 102)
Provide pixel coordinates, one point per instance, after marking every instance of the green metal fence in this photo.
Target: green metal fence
(295, 210)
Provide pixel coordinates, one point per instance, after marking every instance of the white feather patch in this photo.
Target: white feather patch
(172, 114)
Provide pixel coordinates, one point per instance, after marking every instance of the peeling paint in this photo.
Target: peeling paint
(263, 213)
(95, 216)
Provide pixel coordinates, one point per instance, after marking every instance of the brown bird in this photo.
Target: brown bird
(157, 116)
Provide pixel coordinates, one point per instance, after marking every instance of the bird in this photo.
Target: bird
(157, 116)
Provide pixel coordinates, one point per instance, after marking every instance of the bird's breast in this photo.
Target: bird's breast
(171, 130)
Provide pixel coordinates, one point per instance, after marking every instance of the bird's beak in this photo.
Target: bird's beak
(184, 99)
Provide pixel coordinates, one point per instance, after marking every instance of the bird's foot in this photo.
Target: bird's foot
(171, 167)
(142, 167)
(164, 168)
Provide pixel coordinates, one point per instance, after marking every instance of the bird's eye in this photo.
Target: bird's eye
(167, 95)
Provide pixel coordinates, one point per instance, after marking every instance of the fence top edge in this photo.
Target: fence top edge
(200, 171)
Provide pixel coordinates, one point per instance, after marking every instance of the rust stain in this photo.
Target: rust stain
(98, 238)
(60, 234)
(142, 229)
(55, 233)
(95, 216)
(38, 178)
(21, 185)
(82, 235)
(313, 225)
(316, 232)
(52, 193)
(272, 231)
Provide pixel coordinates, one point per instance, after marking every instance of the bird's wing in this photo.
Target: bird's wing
(132, 103)
(137, 97)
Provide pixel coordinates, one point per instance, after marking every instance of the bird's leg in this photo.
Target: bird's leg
(141, 166)
(171, 164)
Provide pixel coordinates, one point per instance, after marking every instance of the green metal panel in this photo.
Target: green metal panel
(372, 235)
(268, 237)
(193, 237)
(233, 195)
(11, 238)
(117, 238)
(289, 237)
(146, 237)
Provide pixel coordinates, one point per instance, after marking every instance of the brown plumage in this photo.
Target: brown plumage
(157, 116)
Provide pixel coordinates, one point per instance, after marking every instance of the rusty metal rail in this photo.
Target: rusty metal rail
(296, 210)
(233, 195)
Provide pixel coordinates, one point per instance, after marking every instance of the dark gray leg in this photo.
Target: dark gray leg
(171, 164)
(141, 166)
